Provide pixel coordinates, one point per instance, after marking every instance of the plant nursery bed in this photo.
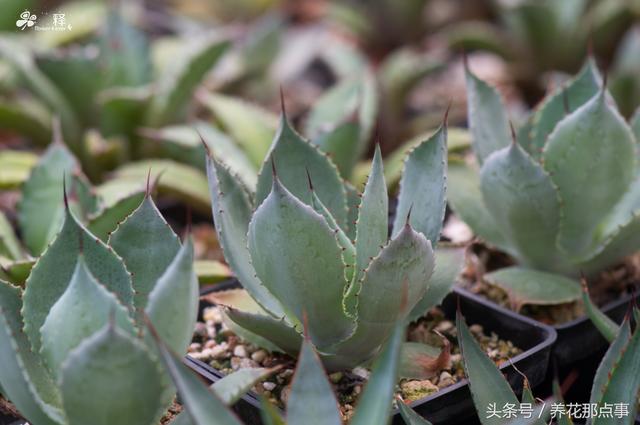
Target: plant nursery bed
(444, 399)
(578, 339)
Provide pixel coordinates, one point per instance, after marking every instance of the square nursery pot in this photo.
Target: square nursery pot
(579, 339)
(451, 405)
(11, 420)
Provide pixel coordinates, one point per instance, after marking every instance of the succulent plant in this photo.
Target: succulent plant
(307, 245)
(561, 197)
(41, 213)
(75, 350)
(311, 394)
(616, 380)
(102, 89)
(538, 36)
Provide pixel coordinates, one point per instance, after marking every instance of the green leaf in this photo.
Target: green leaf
(372, 225)
(297, 257)
(24, 118)
(340, 143)
(210, 271)
(520, 196)
(231, 215)
(607, 327)
(406, 263)
(353, 202)
(9, 245)
(529, 286)
(41, 210)
(199, 402)
(487, 118)
(124, 53)
(466, 200)
(16, 272)
(233, 386)
(449, 264)
(635, 125)
(311, 393)
(23, 377)
(608, 362)
(422, 361)
(334, 107)
(293, 158)
(15, 167)
(53, 271)
(423, 187)
(178, 81)
(250, 320)
(223, 147)
(175, 180)
(106, 221)
(374, 406)
(624, 384)
(604, 162)
(112, 378)
(250, 126)
(39, 84)
(146, 244)
(122, 110)
(563, 101)
(487, 385)
(269, 414)
(410, 416)
(83, 309)
(172, 306)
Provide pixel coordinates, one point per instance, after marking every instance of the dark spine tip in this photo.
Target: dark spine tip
(274, 172)
(148, 188)
(445, 120)
(64, 191)
(204, 144)
(514, 137)
(583, 283)
(590, 49)
(407, 223)
(80, 243)
(309, 179)
(282, 106)
(56, 129)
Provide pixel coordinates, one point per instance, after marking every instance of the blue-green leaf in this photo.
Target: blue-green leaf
(423, 187)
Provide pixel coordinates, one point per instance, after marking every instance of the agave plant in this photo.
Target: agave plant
(537, 36)
(307, 245)
(311, 394)
(40, 213)
(102, 90)
(616, 380)
(561, 198)
(74, 349)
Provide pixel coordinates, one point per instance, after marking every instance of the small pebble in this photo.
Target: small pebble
(240, 351)
(210, 344)
(269, 386)
(445, 380)
(259, 356)
(361, 372)
(195, 346)
(220, 351)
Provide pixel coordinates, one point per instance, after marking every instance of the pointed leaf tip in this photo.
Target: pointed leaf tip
(283, 110)
(148, 189)
(64, 191)
(514, 137)
(309, 179)
(445, 120)
(407, 222)
(274, 172)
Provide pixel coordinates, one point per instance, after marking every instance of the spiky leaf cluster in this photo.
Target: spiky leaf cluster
(563, 196)
(74, 349)
(307, 247)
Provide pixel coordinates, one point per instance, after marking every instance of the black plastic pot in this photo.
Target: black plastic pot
(452, 405)
(579, 339)
(10, 420)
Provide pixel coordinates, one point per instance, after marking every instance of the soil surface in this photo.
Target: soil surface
(216, 345)
(606, 287)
